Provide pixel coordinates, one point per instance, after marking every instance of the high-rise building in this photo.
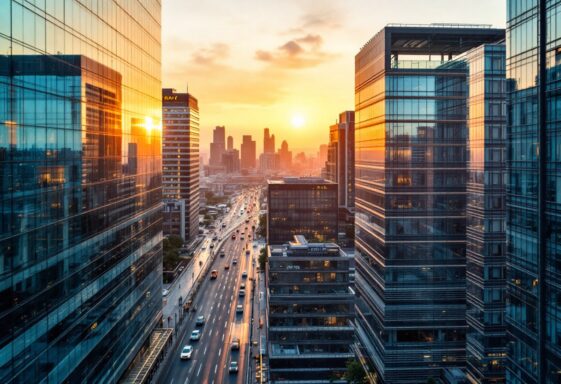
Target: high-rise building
(411, 167)
(231, 161)
(218, 146)
(248, 153)
(306, 206)
(340, 164)
(485, 212)
(268, 142)
(285, 157)
(310, 311)
(230, 145)
(322, 154)
(80, 188)
(533, 312)
(181, 161)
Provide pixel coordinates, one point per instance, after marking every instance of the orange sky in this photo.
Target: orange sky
(261, 63)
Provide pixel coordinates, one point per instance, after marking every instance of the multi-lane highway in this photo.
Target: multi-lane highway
(217, 300)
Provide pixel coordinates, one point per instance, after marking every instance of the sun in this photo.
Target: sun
(298, 121)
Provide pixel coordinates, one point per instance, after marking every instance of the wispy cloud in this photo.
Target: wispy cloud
(298, 53)
(214, 54)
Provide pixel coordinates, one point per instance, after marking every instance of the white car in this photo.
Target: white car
(239, 308)
(186, 352)
(165, 292)
(196, 335)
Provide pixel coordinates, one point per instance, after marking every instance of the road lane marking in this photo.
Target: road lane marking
(204, 353)
(199, 371)
(220, 350)
(223, 336)
(215, 368)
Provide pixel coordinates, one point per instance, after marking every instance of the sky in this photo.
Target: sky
(285, 64)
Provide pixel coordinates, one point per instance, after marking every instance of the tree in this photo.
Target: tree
(171, 244)
(355, 373)
(262, 228)
(263, 258)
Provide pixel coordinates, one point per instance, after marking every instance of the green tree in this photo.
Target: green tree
(262, 228)
(355, 373)
(263, 258)
(171, 246)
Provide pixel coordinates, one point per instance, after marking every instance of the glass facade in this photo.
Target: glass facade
(302, 206)
(310, 311)
(485, 227)
(411, 175)
(533, 192)
(80, 187)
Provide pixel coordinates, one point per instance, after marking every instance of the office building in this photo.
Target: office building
(248, 153)
(174, 218)
(533, 312)
(80, 189)
(285, 157)
(268, 142)
(218, 146)
(340, 164)
(230, 143)
(306, 206)
(485, 212)
(268, 162)
(411, 167)
(180, 177)
(310, 311)
(231, 161)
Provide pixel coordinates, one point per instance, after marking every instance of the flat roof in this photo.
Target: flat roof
(300, 180)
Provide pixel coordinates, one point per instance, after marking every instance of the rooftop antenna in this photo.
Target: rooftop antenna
(187, 87)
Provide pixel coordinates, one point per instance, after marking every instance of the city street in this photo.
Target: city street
(216, 301)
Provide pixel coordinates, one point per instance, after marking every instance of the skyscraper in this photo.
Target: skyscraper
(248, 153)
(231, 161)
(410, 197)
(80, 189)
(218, 146)
(340, 164)
(285, 157)
(485, 229)
(533, 193)
(230, 145)
(305, 206)
(268, 142)
(181, 161)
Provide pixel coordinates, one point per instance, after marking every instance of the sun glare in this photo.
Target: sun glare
(298, 121)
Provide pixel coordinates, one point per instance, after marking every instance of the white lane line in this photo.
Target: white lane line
(211, 332)
(213, 320)
(215, 368)
(204, 353)
(199, 371)
(223, 335)
(220, 350)
(225, 324)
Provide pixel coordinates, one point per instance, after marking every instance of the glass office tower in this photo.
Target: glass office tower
(80, 187)
(485, 227)
(534, 192)
(411, 170)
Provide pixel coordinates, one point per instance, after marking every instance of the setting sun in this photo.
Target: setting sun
(297, 121)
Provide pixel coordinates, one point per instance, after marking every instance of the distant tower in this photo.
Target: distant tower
(230, 144)
(217, 147)
(248, 153)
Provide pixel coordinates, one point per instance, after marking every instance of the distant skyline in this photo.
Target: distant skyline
(288, 65)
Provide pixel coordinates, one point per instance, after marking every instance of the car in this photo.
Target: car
(227, 266)
(200, 320)
(186, 352)
(235, 261)
(247, 252)
(242, 292)
(242, 286)
(203, 248)
(233, 368)
(235, 344)
(254, 245)
(165, 292)
(242, 238)
(244, 274)
(233, 237)
(195, 335)
(211, 246)
(239, 308)
(213, 274)
(222, 254)
(237, 230)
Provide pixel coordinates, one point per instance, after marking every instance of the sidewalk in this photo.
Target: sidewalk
(258, 334)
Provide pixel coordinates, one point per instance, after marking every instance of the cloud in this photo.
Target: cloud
(212, 55)
(298, 53)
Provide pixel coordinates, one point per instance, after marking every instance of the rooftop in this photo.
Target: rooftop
(301, 247)
(300, 180)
